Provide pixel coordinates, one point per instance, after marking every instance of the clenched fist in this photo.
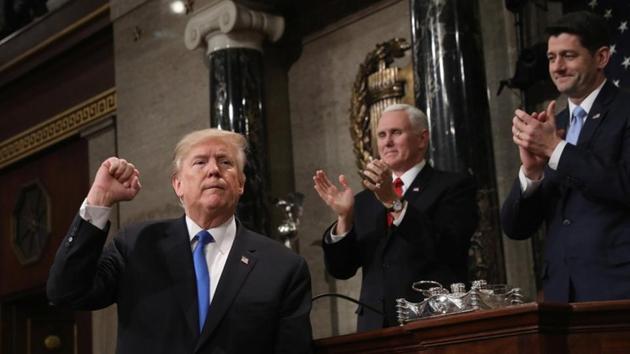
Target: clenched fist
(116, 180)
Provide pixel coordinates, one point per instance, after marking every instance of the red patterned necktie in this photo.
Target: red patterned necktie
(398, 184)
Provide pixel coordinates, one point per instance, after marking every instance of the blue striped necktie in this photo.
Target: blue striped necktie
(203, 237)
(577, 120)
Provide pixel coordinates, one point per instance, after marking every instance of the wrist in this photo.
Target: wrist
(553, 147)
(98, 198)
(395, 206)
(344, 224)
(533, 174)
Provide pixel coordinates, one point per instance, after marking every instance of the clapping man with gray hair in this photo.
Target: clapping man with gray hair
(412, 222)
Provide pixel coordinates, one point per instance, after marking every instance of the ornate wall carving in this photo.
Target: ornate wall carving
(57, 128)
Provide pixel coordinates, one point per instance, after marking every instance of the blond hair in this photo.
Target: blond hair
(183, 147)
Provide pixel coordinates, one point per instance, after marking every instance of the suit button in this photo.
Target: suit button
(566, 222)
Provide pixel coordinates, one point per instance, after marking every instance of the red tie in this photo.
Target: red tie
(398, 184)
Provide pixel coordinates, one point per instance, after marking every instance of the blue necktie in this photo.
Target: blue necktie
(577, 120)
(201, 273)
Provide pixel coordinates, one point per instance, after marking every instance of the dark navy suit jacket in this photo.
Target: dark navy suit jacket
(431, 243)
(585, 205)
(261, 304)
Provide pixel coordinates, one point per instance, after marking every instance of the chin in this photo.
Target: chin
(392, 162)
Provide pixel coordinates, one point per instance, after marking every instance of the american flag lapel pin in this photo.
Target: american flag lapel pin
(596, 116)
(244, 260)
(416, 189)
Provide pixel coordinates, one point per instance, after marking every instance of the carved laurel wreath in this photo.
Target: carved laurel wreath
(360, 129)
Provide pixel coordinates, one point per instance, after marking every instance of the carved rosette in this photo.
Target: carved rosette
(31, 223)
(227, 24)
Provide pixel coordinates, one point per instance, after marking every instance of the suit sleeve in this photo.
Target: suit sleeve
(83, 275)
(294, 331)
(522, 217)
(342, 257)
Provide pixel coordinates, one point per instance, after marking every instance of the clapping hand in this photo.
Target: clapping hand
(341, 201)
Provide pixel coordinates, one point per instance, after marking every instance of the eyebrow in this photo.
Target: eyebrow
(218, 154)
(199, 156)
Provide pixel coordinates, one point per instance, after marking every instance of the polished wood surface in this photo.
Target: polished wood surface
(581, 328)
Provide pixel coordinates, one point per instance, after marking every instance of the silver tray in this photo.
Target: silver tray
(439, 301)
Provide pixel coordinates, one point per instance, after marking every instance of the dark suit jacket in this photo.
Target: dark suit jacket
(585, 205)
(261, 304)
(431, 243)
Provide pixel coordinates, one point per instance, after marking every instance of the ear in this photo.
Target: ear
(424, 139)
(241, 180)
(602, 56)
(177, 185)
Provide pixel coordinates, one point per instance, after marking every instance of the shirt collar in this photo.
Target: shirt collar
(411, 174)
(223, 234)
(587, 103)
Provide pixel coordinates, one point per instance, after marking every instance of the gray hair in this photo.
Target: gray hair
(417, 118)
(183, 147)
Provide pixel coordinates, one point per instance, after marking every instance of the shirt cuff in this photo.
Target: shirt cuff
(528, 186)
(554, 159)
(95, 215)
(332, 238)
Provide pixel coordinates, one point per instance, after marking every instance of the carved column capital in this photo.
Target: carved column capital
(227, 24)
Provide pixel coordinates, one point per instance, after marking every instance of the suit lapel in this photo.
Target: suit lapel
(240, 262)
(419, 184)
(597, 113)
(178, 256)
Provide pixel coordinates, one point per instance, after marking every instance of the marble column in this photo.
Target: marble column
(450, 87)
(232, 35)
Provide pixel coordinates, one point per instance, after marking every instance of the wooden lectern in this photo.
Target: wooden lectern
(584, 328)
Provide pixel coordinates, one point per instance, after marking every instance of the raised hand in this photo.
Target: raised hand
(340, 201)
(378, 178)
(116, 180)
(536, 136)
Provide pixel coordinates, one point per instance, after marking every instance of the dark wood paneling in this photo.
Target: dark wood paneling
(28, 322)
(59, 84)
(63, 172)
(50, 35)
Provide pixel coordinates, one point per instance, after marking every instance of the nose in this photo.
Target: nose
(556, 65)
(212, 168)
(389, 140)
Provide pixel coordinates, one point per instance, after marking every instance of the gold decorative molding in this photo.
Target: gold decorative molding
(57, 128)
